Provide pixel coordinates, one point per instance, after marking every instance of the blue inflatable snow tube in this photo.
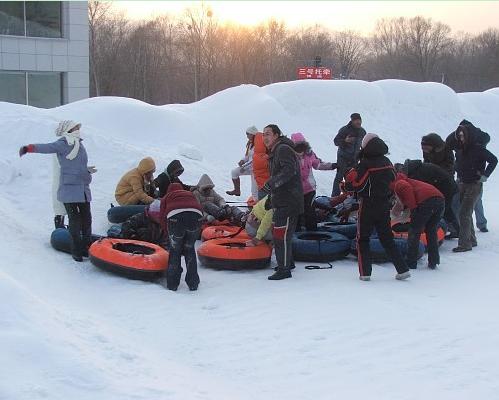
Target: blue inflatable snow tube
(320, 246)
(61, 240)
(378, 254)
(119, 214)
(348, 229)
(323, 203)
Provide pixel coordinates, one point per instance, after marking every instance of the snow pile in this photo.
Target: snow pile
(71, 331)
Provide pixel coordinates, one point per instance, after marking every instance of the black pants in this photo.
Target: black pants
(425, 218)
(80, 227)
(375, 213)
(308, 219)
(449, 215)
(183, 231)
(282, 233)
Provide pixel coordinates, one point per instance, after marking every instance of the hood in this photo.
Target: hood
(410, 166)
(283, 140)
(434, 140)
(146, 165)
(259, 145)
(173, 187)
(298, 137)
(205, 182)
(175, 168)
(472, 134)
(375, 147)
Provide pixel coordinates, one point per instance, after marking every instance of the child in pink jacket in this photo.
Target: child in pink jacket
(308, 162)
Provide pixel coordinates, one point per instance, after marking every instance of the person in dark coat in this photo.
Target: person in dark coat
(170, 175)
(286, 193)
(348, 140)
(372, 180)
(74, 183)
(482, 138)
(181, 216)
(438, 152)
(474, 164)
(426, 205)
(436, 176)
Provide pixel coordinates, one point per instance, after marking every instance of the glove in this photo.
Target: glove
(23, 150)
(266, 188)
(92, 169)
(268, 203)
(483, 179)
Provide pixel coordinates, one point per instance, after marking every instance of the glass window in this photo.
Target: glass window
(44, 89)
(43, 18)
(13, 87)
(12, 18)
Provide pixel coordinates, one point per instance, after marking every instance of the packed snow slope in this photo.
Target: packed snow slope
(70, 331)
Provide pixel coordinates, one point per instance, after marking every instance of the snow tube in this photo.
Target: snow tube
(322, 203)
(129, 258)
(378, 254)
(320, 246)
(119, 214)
(440, 236)
(233, 254)
(213, 232)
(348, 229)
(60, 239)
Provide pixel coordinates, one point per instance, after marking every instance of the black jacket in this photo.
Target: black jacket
(441, 155)
(373, 175)
(285, 185)
(163, 180)
(432, 174)
(480, 137)
(348, 152)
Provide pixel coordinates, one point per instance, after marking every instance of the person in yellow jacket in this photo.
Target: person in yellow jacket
(136, 186)
(259, 222)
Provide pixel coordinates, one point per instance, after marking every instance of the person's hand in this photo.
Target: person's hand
(350, 139)
(483, 179)
(240, 163)
(252, 242)
(265, 156)
(251, 218)
(23, 150)
(344, 215)
(92, 169)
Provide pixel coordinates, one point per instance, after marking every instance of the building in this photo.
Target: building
(44, 53)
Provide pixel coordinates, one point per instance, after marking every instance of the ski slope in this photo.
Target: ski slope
(71, 331)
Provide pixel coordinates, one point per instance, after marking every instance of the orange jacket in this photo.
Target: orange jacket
(260, 161)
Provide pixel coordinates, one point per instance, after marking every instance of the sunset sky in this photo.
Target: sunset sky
(467, 16)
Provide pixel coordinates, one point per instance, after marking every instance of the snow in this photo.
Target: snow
(71, 331)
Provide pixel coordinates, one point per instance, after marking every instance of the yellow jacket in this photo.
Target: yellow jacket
(131, 187)
(264, 217)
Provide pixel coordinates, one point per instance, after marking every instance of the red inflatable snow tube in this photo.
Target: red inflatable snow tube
(129, 258)
(233, 254)
(422, 239)
(223, 231)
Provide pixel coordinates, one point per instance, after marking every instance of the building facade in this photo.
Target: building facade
(44, 52)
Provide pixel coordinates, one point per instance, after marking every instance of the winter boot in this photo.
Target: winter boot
(403, 276)
(280, 274)
(365, 278)
(59, 221)
(460, 249)
(237, 188)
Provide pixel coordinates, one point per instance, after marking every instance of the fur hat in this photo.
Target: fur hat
(252, 130)
(367, 139)
(298, 137)
(355, 116)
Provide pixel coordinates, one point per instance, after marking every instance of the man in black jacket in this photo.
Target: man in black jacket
(286, 193)
(168, 176)
(436, 176)
(474, 164)
(371, 179)
(438, 152)
(348, 140)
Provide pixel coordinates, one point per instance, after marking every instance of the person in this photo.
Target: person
(371, 179)
(137, 186)
(181, 217)
(426, 204)
(170, 175)
(245, 165)
(286, 194)
(474, 164)
(261, 172)
(436, 176)
(259, 222)
(482, 138)
(213, 205)
(308, 162)
(74, 183)
(348, 140)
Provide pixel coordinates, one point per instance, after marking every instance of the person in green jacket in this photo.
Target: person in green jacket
(259, 223)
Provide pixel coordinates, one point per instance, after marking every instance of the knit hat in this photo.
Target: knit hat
(355, 116)
(367, 139)
(298, 137)
(252, 130)
(72, 138)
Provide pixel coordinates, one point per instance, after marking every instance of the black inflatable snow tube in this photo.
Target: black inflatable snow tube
(378, 254)
(320, 246)
(348, 229)
(61, 240)
(119, 214)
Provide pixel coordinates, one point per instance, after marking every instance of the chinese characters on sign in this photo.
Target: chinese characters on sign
(314, 73)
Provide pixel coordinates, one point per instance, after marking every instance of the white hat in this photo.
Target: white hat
(252, 130)
(65, 127)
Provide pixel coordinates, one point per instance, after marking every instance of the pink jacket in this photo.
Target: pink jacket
(308, 162)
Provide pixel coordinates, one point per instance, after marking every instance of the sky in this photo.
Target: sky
(465, 16)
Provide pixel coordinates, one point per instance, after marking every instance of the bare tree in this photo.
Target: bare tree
(97, 11)
(349, 49)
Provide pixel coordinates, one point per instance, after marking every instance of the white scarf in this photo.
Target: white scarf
(72, 138)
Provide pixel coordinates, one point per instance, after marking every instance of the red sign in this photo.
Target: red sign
(314, 73)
